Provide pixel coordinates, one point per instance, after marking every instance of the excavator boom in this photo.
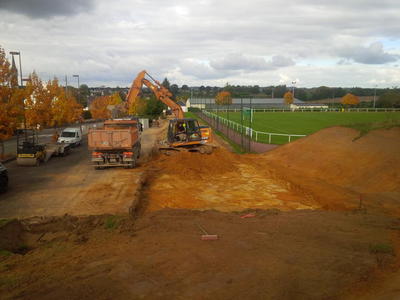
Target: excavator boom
(182, 132)
(161, 92)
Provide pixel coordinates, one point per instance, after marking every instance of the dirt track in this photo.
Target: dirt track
(71, 185)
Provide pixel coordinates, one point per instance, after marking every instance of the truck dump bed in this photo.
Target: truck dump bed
(116, 134)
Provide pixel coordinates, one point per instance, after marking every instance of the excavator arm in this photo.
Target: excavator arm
(161, 93)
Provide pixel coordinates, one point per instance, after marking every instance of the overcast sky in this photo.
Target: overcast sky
(206, 42)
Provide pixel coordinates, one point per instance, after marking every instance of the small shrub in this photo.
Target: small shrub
(381, 249)
(5, 252)
(111, 222)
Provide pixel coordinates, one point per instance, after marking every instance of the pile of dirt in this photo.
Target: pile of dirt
(193, 165)
(337, 166)
(222, 180)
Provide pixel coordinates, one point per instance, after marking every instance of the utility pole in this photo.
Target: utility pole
(293, 82)
(375, 94)
(66, 86)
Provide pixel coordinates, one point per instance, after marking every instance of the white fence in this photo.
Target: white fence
(254, 134)
(310, 109)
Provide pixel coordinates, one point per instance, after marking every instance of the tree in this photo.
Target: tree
(166, 83)
(288, 98)
(154, 107)
(138, 107)
(39, 100)
(174, 89)
(350, 99)
(10, 97)
(83, 95)
(223, 97)
(389, 99)
(100, 107)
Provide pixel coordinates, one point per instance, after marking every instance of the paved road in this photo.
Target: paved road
(71, 185)
(10, 146)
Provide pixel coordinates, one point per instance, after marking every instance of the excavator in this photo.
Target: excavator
(183, 133)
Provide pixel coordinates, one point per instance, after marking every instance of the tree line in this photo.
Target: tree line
(38, 104)
(386, 97)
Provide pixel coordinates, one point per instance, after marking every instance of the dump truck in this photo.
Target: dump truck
(116, 144)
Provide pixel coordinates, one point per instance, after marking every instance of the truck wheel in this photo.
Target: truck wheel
(132, 164)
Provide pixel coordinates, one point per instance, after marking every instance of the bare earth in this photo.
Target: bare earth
(70, 185)
(306, 235)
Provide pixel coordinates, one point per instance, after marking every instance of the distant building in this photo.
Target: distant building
(183, 106)
(14, 73)
(300, 106)
(257, 103)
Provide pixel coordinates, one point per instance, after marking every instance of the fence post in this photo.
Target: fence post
(269, 138)
(289, 137)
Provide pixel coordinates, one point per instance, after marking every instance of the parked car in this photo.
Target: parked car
(3, 178)
(72, 136)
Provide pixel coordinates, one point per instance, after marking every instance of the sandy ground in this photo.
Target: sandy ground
(71, 185)
(305, 236)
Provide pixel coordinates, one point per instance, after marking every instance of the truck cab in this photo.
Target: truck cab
(72, 136)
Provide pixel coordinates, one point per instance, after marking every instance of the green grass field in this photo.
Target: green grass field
(310, 122)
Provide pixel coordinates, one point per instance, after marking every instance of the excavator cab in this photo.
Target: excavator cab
(184, 131)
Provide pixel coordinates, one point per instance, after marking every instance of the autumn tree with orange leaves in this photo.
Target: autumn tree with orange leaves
(288, 98)
(350, 99)
(47, 105)
(223, 97)
(101, 107)
(35, 104)
(11, 98)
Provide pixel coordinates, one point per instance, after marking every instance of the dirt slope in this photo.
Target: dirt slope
(287, 255)
(336, 166)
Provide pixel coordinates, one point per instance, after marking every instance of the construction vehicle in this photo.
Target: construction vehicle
(183, 133)
(72, 136)
(118, 143)
(31, 153)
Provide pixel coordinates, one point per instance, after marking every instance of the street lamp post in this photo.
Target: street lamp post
(77, 76)
(20, 66)
(293, 82)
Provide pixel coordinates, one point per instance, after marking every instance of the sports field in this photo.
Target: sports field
(310, 122)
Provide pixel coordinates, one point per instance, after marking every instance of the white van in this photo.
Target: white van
(72, 136)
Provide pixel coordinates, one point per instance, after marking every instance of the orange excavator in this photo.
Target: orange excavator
(183, 133)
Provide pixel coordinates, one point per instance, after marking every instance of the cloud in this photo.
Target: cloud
(206, 41)
(46, 8)
(238, 61)
(373, 54)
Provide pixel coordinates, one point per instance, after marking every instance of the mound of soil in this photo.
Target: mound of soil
(336, 166)
(222, 180)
